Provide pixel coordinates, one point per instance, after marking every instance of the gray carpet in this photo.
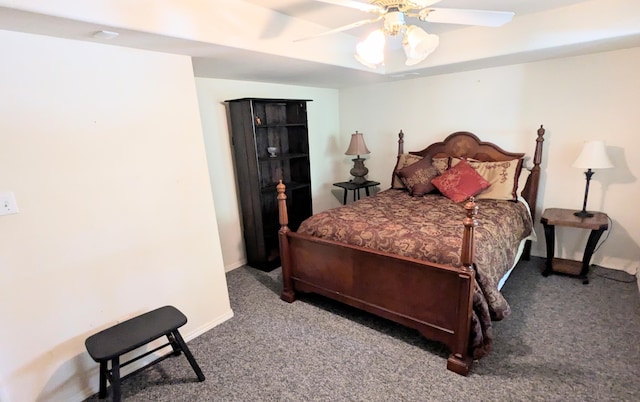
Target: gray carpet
(564, 341)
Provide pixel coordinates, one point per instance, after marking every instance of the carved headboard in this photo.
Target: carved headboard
(463, 144)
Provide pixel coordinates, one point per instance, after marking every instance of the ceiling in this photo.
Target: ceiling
(258, 40)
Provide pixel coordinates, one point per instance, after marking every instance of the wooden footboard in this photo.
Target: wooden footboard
(432, 298)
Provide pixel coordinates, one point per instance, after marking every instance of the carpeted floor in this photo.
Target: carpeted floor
(564, 341)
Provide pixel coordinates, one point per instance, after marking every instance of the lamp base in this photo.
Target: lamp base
(583, 214)
(358, 171)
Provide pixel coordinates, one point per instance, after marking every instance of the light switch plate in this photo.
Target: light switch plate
(8, 204)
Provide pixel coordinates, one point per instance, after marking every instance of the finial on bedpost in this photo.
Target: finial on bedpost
(531, 190)
(400, 143)
(537, 158)
(282, 207)
(470, 223)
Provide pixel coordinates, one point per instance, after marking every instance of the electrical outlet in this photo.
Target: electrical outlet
(8, 204)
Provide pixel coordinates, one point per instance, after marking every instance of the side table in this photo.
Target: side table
(553, 217)
(355, 187)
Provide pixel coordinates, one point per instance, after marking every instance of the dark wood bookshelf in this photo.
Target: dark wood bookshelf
(257, 124)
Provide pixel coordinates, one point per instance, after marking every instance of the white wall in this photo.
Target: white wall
(325, 142)
(103, 149)
(577, 99)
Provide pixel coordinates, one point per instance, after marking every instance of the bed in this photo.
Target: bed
(417, 257)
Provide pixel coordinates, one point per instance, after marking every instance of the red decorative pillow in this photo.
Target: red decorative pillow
(417, 177)
(460, 182)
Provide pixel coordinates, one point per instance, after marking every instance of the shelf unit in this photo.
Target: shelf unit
(257, 124)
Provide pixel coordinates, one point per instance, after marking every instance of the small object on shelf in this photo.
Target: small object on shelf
(272, 151)
(258, 121)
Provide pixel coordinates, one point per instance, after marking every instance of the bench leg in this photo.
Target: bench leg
(115, 378)
(174, 344)
(103, 380)
(188, 354)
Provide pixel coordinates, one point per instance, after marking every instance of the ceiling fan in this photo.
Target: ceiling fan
(417, 43)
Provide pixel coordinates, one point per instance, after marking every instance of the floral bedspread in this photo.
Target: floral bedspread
(430, 228)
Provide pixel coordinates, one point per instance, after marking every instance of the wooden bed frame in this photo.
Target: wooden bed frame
(433, 298)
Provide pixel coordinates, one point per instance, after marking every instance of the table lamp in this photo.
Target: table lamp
(593, 156)
(358, 147)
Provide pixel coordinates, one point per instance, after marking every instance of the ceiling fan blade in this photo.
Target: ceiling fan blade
(467, 17)
(370, 8)
(425, 3)
(342, 28)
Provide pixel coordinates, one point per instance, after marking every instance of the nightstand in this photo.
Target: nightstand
(355, 187)
(553, 217)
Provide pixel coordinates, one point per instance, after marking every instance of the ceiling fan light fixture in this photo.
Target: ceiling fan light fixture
(370, 51)
(394, 23)
(418, 44)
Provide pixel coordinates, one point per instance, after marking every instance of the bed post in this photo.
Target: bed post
(287, 286)
(400, 143)
(460, 361)
(470, 223)
(530, 192)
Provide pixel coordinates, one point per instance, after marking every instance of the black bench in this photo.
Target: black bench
(110, 344)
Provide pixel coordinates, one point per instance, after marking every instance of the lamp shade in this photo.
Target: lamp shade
(593, 156)
(370, 51)
(357, 145)
(418, 44)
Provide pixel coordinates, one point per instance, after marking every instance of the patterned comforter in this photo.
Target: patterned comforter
(430, 228)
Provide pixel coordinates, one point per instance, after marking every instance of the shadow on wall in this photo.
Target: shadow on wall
(619, 174)
(73, 378)
(351, 196)
(624, 247)
(76, 377)
(333, 148)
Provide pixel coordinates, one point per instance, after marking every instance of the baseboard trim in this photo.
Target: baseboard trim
(237, 264)
(208, 326)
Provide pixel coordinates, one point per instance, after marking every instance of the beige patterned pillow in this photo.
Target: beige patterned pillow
(522, 180)
(441, 164)
(502, 175)
(404, 160)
